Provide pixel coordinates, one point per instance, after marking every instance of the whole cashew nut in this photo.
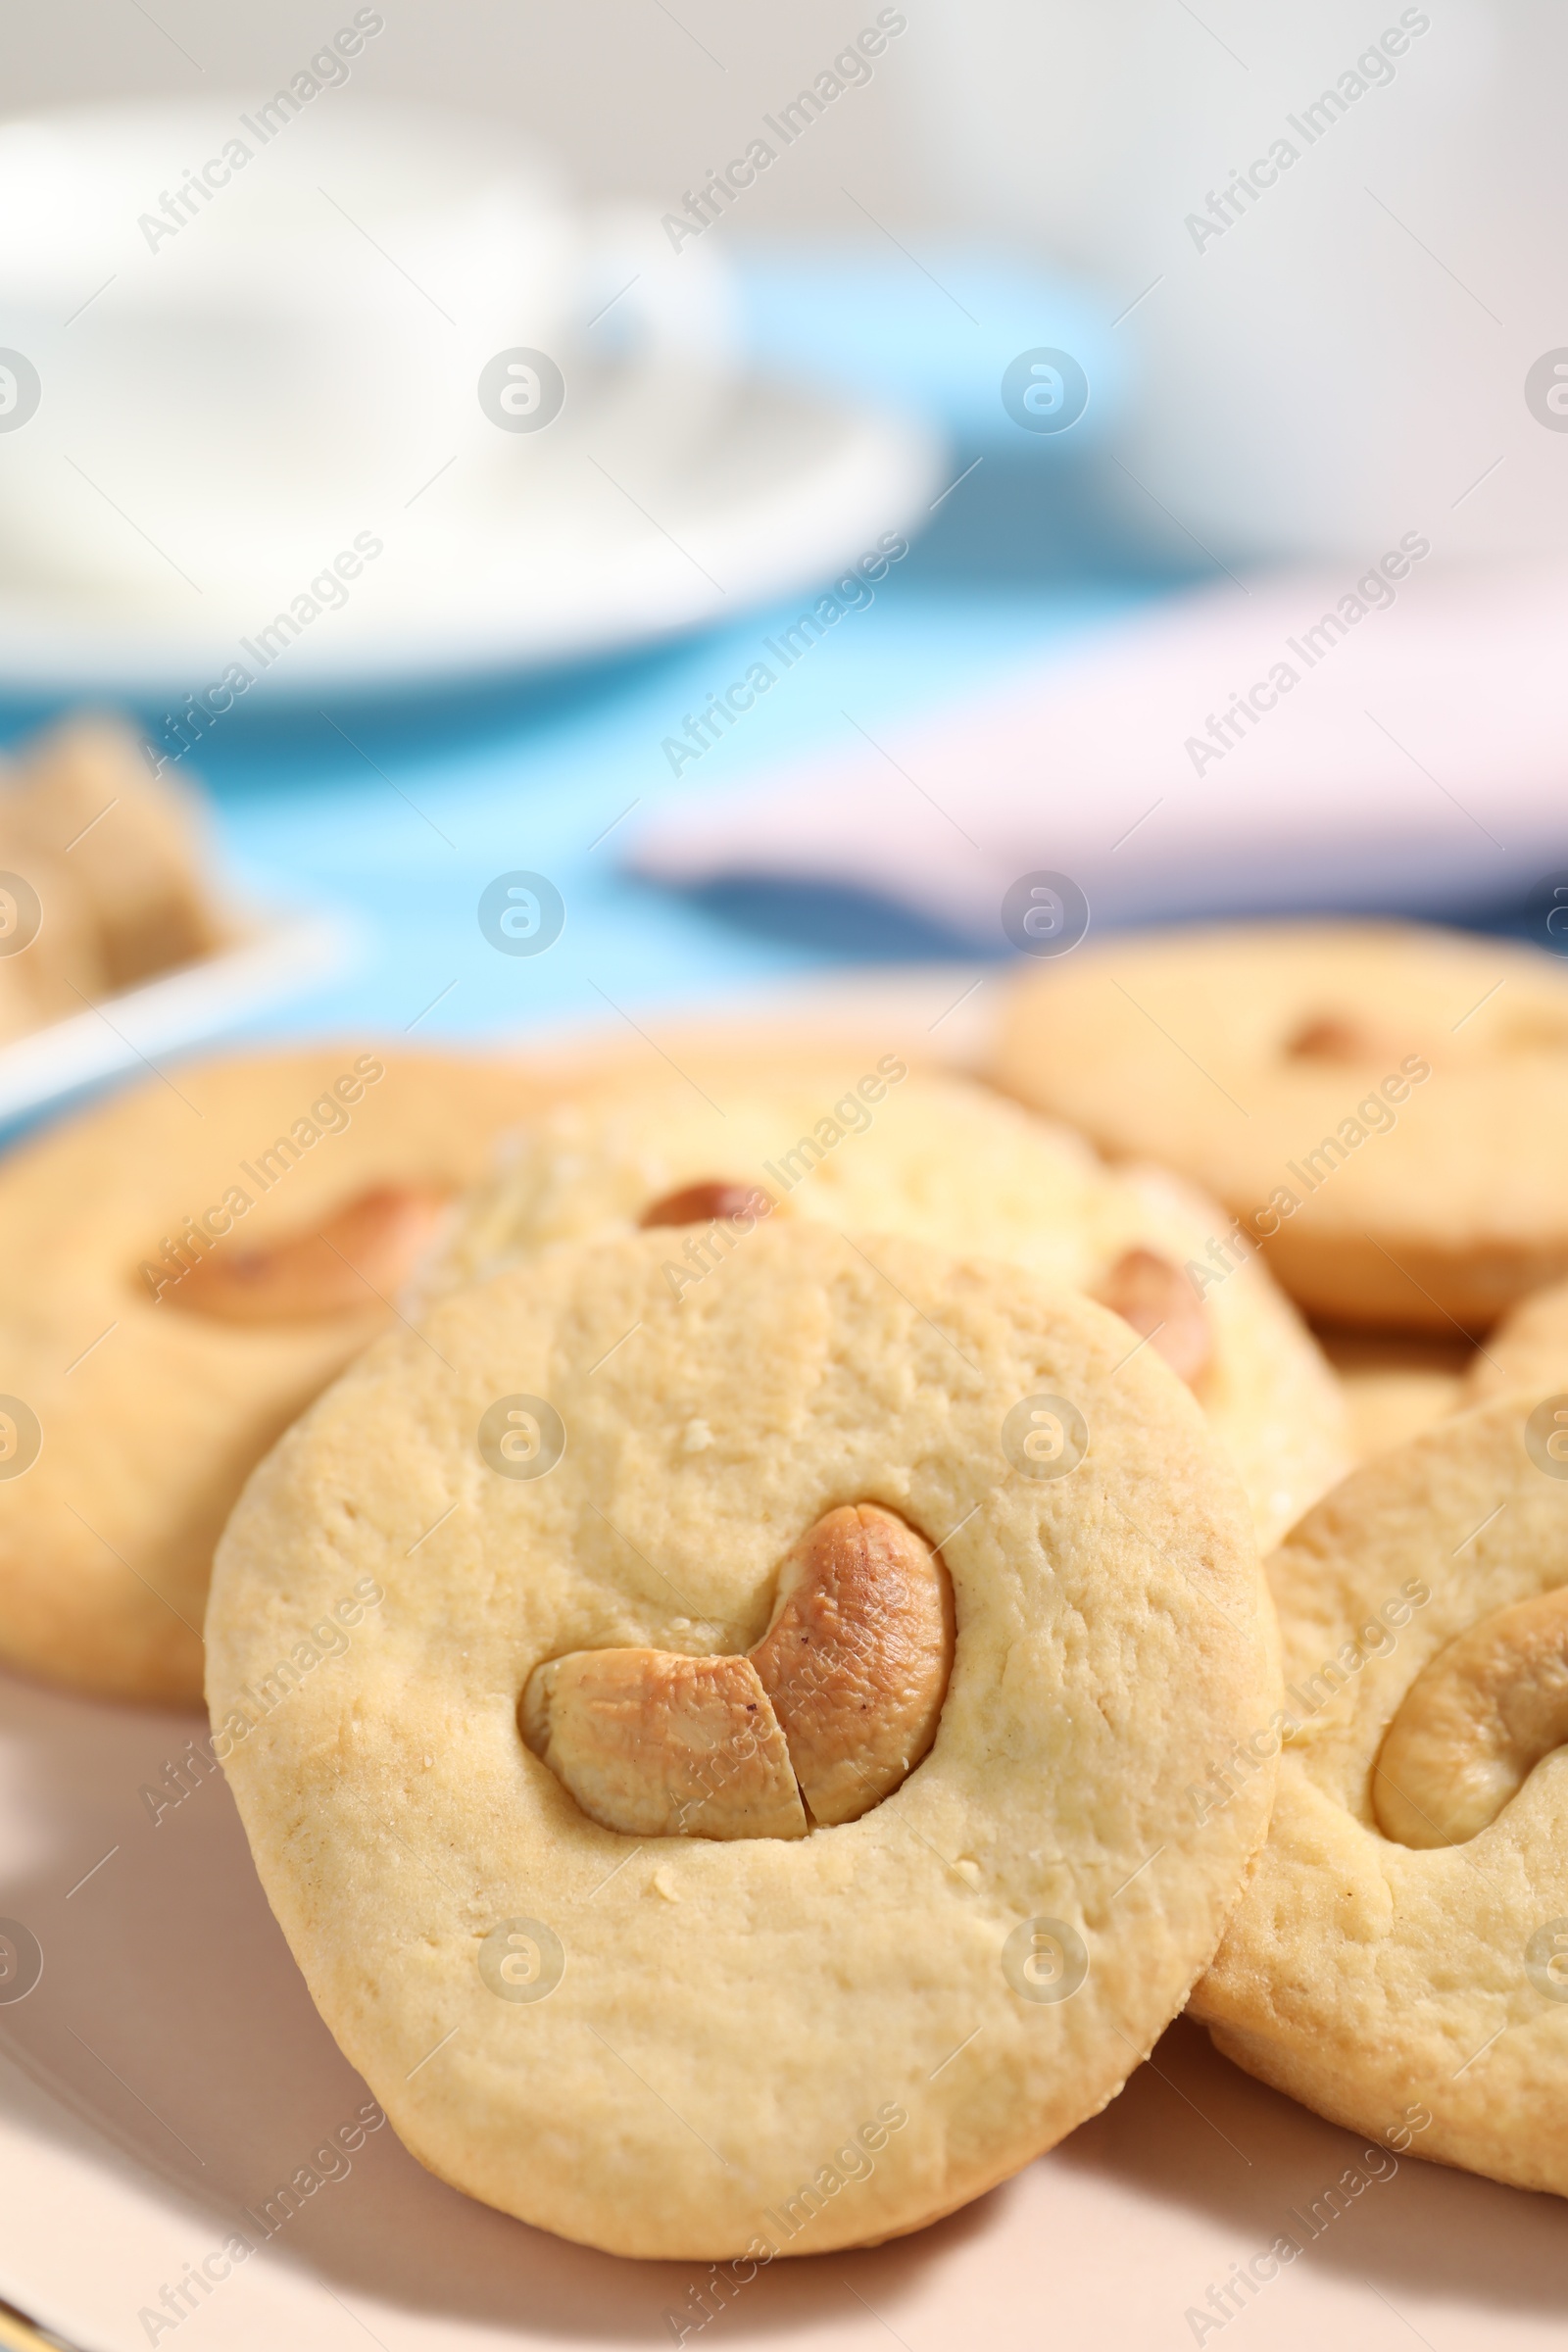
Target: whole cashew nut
(352, 1263)
(830, 1713)
(1474, 1723)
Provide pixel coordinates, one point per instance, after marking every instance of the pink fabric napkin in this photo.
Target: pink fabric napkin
(1396, 740)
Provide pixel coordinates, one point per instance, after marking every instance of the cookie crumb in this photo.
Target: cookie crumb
(696, 1437)
(969, 1870)
(664, 1883)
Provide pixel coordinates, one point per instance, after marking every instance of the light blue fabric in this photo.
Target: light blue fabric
(533, 781)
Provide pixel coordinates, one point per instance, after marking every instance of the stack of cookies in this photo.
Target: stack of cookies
(1377, 1107)
(1383, 1111)
(753, 1694)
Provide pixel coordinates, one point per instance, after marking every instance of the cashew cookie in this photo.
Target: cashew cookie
(1383, 1107)
(771, 1733)
(937, 1161)
(1402, 1944)
(187, 1265)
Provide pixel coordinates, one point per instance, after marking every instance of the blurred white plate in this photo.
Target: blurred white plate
(789, 487)
(268, 958)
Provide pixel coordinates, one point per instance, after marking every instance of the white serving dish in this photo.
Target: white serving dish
(268, 956)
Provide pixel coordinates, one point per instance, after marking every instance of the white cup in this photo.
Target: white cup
(231, 339)
(1345, 351)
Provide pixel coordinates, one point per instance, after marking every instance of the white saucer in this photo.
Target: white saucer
(789, 488)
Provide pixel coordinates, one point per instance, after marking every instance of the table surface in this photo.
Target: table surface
(398, 814)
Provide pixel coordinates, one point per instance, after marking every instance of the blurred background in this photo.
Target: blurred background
(779, 484)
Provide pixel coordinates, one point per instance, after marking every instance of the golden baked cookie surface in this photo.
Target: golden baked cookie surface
(1384, 1107)
(1404, 1940)
(656, 2043)
(156, 1372)
(944, 1162)
(1529, 1350)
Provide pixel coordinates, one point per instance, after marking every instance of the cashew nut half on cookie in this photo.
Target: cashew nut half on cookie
(353, 1263)
(826, 1716)
(1160, 1303)
(711, 1201)
(1474, 1723)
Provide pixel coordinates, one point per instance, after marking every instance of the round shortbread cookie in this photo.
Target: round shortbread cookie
(1528, 1350)
(939, 1160)
(693, 2045)
(1383, 1106)
(1416, 1991)
(137, 1394)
